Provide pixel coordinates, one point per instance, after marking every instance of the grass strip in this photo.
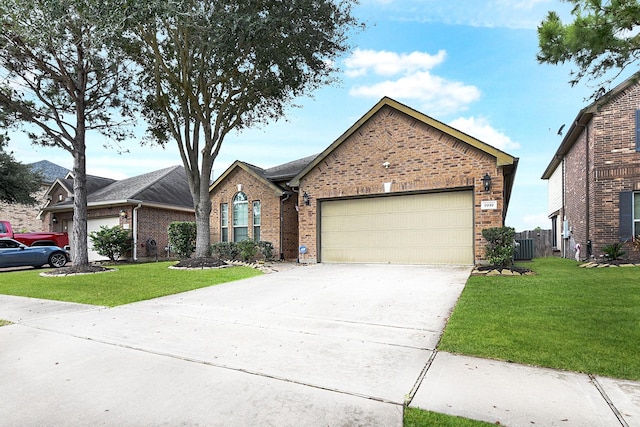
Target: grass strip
(566, 317)
(130, 283)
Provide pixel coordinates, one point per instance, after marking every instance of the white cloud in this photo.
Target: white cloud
(386, 63)
(479, 128)
(413, 80)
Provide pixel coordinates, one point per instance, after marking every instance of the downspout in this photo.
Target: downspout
(135, 231)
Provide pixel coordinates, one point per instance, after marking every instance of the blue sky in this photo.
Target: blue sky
(468, 63)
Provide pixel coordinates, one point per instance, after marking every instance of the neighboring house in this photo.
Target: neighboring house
(594, 176)
(251, 202)
(25, 217)
(396, 187)
(145, 204)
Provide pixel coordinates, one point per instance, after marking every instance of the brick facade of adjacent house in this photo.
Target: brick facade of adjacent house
(616, 165)
(600, 160)
(279, 219)
(421, 159)
(575, 179)
(24, 218)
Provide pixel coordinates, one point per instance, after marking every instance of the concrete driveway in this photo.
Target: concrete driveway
(316, 345)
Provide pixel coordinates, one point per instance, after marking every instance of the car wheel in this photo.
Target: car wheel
(57, 260)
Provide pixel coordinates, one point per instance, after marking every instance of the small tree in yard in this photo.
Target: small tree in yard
(500, 245)
(112, 242)
(182, 238)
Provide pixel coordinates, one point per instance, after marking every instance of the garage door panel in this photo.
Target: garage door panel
(94, 225)
(413, 229)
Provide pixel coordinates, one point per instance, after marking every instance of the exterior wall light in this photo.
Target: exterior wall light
(123, 214)
(486, 182)
(306, 199)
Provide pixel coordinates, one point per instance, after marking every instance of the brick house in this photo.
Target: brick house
(145, 204)
(594, 176)
(26, 217)
(251, 202)
(396, 187)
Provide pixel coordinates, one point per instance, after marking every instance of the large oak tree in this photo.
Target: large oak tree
(215, 66)
(62, 77)
(602, 40)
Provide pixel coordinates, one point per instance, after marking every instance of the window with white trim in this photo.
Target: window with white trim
(240, 217)
(256, 220)
(224, 222)
(636, 214)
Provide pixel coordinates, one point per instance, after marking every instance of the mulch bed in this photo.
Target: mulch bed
(68, 271)
(200, 263)
(483, 270)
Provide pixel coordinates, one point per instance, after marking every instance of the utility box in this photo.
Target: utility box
(525, 250)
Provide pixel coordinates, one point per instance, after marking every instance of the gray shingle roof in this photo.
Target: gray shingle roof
(288, 170)
(50, 171)
(165, 186)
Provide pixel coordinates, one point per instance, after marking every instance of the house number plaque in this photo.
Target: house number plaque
(489, 205)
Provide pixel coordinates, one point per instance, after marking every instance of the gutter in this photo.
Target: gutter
(123, 202)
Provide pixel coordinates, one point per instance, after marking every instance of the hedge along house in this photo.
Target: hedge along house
(401, 187)
(248, 202)
(145, 204)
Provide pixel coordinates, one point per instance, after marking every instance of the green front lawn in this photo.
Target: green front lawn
(414, 417)
(566, 317)
(130, 283)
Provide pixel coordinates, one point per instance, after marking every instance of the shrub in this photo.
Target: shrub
(182, 238)
(614, 251)
(112, 242)
(248, 249)
(266, 248)
(500, 245)
(636, 243)
(225, 250)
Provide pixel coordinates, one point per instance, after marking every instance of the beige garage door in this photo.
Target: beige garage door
(411, 229)
(94, 225)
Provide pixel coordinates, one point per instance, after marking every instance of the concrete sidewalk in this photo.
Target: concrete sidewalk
(301, 347)
(516, 395)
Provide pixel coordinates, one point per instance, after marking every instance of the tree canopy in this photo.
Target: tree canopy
(63, 76)
(604, 37)
(18, 181)
(212, 67)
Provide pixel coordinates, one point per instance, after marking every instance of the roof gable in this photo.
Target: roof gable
(583, 118)
(255, 171)
(270, 177)
(502, 158)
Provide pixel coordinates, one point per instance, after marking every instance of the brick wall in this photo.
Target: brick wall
(256, 190)
(421, 158)
(616, 165)
(576, 195)
(153, 224)
(24, 218)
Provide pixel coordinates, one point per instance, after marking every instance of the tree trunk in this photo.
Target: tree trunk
(79, 254)
(203, 212)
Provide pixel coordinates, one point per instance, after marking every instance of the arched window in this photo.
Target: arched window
(240, 217)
